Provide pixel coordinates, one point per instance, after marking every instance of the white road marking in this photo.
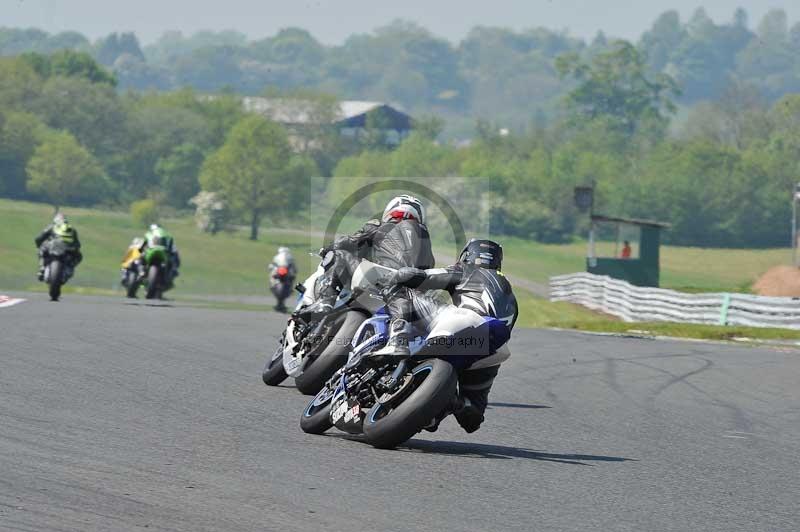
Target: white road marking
(6, 301)
(741, 435)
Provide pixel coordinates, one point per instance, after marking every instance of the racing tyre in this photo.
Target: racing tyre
(132, 284)
(386, 427)
(333, 357)
(273, 373)
(153, 283)
(55, 279)
(316, 418)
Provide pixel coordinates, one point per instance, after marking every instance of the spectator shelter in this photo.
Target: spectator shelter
(349, 118)
(641, 266)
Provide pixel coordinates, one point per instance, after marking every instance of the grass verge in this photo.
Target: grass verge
(224, 264)
(230, 264)
(682, 268)
(536, 313)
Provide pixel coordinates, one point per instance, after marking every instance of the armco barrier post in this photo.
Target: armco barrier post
(723, 313)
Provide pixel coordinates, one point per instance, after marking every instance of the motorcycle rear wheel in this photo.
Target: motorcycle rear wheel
(132, 284)
(386, 428)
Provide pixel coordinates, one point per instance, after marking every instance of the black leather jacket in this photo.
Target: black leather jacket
(485, 291)
(395, 245)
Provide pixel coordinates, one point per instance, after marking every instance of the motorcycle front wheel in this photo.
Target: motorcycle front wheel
(153, 283)
(316, 418)
(434, 388)
(132, 284)
(55, 279)
(273, 373)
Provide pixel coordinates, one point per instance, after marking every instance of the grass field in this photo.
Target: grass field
(682, 268)
(231, 264)
(226, 263)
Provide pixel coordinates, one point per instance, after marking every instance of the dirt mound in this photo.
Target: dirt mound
(780, 281)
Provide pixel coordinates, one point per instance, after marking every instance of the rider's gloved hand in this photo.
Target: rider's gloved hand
(411, 277)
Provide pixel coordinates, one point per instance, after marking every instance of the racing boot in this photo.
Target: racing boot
(469, 416)
(456, 404)
(320, 307)
(397, 346)
(474, 386)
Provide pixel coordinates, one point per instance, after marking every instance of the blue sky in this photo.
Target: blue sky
(331, 21)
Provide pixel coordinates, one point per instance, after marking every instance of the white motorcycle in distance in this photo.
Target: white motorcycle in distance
(281, 277)
(312, 350)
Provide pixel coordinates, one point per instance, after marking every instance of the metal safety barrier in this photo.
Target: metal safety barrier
(634, 303)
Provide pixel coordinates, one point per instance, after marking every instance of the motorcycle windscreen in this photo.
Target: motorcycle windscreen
(367, 281)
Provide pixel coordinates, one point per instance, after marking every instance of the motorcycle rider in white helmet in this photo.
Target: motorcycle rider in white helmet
(399, 239)
(282, 273)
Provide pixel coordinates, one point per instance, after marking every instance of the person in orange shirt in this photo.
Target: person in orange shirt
(626, 250)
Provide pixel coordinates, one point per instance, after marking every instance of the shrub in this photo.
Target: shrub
(144, 212)
(211, 214)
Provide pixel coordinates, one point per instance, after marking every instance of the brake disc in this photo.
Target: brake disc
(399, 392)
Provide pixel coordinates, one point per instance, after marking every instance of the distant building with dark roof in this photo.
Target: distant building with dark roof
(351, 118)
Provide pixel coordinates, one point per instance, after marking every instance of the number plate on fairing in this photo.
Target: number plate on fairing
(347, 416)
(292, 364)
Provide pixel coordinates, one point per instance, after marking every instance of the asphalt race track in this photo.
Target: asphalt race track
(120, 416)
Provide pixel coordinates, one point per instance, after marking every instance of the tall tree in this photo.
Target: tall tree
(20, 133)
(178, 172)
(250, 170)
(663, 38)
(69, 64)
(62, 171)
(20, 85)
(615, 86)
(90, 111)
(116, 45)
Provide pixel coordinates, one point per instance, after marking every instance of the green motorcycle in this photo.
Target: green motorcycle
(157, 267)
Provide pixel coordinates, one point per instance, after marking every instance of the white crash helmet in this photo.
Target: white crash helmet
(284, 250)
(404, 207)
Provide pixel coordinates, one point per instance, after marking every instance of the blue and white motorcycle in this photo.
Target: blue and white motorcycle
(389, 401)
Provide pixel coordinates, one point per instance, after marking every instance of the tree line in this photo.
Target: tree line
(493, 73)
(68, 136)
(722, 177)
(719, 170)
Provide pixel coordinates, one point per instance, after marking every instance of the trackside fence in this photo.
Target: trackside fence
(635, 303)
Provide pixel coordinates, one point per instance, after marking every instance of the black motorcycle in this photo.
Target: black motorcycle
(59, 266)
